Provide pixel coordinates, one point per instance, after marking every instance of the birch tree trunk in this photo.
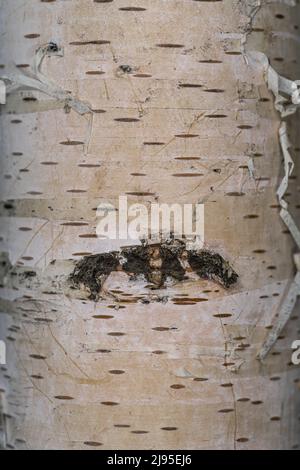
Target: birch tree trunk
(168, 101)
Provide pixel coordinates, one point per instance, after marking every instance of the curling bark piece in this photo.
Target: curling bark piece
(286, 102)
(36, 80)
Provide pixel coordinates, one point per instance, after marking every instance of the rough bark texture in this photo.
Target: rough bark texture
(165, 106)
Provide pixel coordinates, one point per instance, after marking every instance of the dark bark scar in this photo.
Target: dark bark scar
(155, 262)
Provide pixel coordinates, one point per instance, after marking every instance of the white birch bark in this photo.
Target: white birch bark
(162, 100)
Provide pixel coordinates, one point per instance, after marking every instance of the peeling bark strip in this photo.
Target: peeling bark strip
(179, 113)
(286, 101)
(155, 263)
(17, 80)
